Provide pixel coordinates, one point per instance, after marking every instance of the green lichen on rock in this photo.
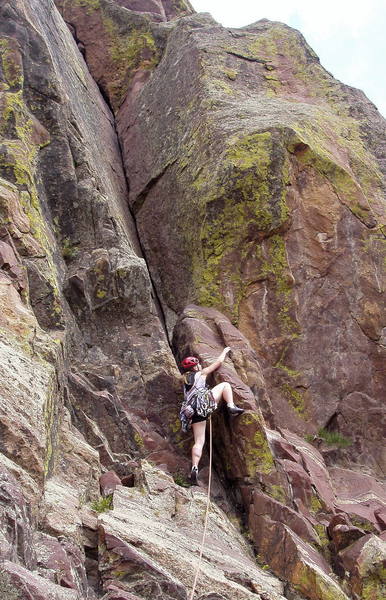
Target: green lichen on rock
(322, 534)
(50, 423)
(315, 504)
(275, 267)
(324, 138)
(258, 456)
(312, 583)
(247, 200)
(22, 138)
(10, 63)
(277, 492)
(295, 398)
(89, 5)
(374, 585)
(129, 52)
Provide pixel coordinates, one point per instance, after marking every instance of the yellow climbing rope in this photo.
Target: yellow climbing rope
(191, 597)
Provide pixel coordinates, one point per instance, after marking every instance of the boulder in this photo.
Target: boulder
(365, 562)
(342, 532)
(108, 482)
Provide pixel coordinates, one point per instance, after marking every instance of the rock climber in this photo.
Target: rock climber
(200, 401)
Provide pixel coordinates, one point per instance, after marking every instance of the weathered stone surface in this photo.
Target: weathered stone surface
(140, 537)
(16, 522)
(250, 182)
(359, 495)
(108, 482)
(365, 560)
(28, 385)
(121, 46)
(342, 533)
(263, 508)
(61, 562)
(268, 213)
(16, 583)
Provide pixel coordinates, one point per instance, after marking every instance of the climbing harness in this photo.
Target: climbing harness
(191, 597)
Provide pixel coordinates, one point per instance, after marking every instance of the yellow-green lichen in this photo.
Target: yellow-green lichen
(129, 52)
(315, 504)
(139, 440)
(258, 456)
(230, 73)
(374, 585)
(322, 534)
(278, 493)
(69, 250)
(11, 65)
(89, 5)
(250, 197)
(295, 398)
(222, 86)
(50, 415)
(276, 268)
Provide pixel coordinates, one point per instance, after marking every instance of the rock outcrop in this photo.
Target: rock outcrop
(169, 186)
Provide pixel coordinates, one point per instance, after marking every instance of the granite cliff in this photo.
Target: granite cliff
(171, 186)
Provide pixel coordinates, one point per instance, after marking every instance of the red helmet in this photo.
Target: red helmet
(189, 362)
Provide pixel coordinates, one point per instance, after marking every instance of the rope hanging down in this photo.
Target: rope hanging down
(191, 597)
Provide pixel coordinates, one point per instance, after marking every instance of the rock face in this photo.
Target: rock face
(151, 159)
(272, 216)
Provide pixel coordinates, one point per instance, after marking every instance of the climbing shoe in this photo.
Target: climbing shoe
(194, 476)
(235, 410)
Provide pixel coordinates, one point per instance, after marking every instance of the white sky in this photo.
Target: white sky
(349, 36)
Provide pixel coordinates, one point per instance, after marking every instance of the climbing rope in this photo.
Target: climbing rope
(206, 512)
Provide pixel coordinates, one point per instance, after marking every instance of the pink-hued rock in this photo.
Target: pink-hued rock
(314, 465)
(301, 485)
(342, 532)
(159, 520)
(16, 524)
(14, 268)
(51, 556)
(17, 582)
(359, 495)
(108, 482)
(167, 9)
(365, 561)
(295, 560)
(264, 510)
(114, 593)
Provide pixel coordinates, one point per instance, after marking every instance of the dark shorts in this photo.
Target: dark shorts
(197, 419)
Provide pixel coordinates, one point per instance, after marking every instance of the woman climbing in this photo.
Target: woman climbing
(200, 402)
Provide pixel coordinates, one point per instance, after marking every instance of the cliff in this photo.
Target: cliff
(167, 187)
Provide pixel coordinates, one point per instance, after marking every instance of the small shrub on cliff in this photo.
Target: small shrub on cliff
(103, 504)
(334, 438)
